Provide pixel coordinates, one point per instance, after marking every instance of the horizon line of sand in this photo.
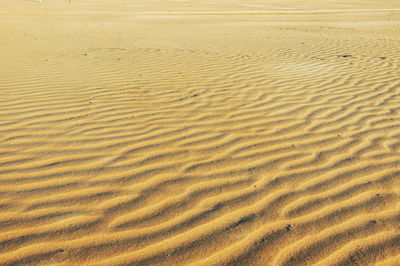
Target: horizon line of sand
(279, 12)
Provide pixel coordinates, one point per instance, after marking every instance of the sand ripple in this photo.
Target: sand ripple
(282, 151)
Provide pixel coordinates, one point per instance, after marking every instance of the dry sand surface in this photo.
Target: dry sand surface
(132, 132)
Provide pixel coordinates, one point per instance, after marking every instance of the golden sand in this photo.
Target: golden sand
(146, 133)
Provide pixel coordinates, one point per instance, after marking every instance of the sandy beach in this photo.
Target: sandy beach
(200, 132)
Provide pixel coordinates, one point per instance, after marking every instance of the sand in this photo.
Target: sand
(199, 132)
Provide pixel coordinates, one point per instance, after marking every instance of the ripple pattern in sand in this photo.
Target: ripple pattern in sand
(187, 156)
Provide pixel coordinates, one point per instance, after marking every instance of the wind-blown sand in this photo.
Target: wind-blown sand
(132, 132)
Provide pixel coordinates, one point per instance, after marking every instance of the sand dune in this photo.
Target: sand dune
(130, 134)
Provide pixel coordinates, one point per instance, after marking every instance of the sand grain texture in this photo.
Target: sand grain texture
(134, 133)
